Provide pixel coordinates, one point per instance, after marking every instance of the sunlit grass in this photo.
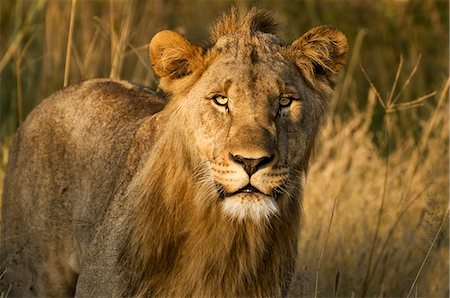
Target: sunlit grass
(388, 213)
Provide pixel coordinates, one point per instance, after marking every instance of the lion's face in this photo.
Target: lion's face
(252, 117)
(252, 126)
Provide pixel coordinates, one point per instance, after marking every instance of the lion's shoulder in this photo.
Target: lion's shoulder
(111, 91)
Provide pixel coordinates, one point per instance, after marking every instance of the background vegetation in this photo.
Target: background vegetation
(376, 196)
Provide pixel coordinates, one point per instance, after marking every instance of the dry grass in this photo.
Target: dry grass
(375, 248)
(382, 154)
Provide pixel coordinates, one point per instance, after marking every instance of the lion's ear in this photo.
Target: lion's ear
(172, 56)
(320, 54)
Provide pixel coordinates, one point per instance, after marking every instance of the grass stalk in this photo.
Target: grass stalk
(390, 234)
(389, 105)
(69, 43)
(367, 278)
(11, 50)
(411, 201)
(422, 265)
(113, 40)
(316, 288)
(19, 85)
(425, 136)
(394, 85)
(375, 90)
(386, 104)
(17, 63)
(413, 103)
(142, 60)
(408, 80)
(89, 56)
(121, 42)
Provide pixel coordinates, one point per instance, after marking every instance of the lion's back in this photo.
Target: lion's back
(56, 190)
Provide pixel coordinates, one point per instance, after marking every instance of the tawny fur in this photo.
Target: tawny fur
(112, 190)
(256, 20)
(324, 51)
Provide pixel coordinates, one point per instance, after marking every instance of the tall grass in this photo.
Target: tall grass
(391, 207)
(375, 205)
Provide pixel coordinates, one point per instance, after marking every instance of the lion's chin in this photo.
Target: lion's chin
(256, 207)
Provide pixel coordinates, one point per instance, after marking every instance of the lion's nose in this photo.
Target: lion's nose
(251, 165)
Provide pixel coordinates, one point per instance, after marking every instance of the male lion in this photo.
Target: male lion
(112, 190)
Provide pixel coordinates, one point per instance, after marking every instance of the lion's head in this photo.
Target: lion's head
(250, 105)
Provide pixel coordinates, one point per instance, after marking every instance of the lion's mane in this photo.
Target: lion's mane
(165, 230)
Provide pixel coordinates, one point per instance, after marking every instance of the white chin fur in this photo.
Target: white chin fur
(247, 206)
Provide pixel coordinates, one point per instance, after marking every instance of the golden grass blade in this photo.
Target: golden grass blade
(316, 289)
(367, 278)
(408, 80)
(11, 50)
(142, 60)
(27, 45)
(18, 67)
(415, 103)
(442, 98)
(18, 61)
(392, 229)
(69, 43)
(422, 145)
(373, 87)
(88, 58)
(425, 136)
(113, 38)
(444, 220)
(78, 60)
(122, 43)
(394, 85)
(134, 50)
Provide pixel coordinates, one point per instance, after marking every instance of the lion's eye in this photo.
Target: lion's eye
(220, 100)
(285, 101)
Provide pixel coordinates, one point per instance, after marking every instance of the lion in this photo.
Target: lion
(195, 190)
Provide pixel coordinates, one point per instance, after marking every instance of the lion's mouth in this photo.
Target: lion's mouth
(248, 189)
